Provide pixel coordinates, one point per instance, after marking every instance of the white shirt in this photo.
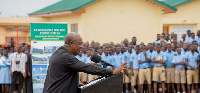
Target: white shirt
(18, 57)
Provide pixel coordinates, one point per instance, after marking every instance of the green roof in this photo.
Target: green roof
(172, 4)
(64, 5)
(74, 5)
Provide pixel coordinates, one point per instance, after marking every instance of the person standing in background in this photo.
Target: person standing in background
(5, 79)
(18, 68)
(28, 79)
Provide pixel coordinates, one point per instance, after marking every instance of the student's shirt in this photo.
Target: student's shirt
(108, 59)
(88, 60)
(177, 59)
(169, 56)
(117, 59)
(81, 58)
(141, 57)
(4, 61)
(127, 56)
(150, 53)
(156, 42)
(168, 42)
(191, 40)
(161, 56)
(85, 55)
(192, 59)
(198, 40)
(184, 52)
(187, 39)
(134, 60)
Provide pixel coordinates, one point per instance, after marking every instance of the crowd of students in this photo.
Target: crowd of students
(165, 65)
(15, 69)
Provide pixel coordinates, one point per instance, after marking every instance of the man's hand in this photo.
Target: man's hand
(29, 74)
(11, 73)
(82, 83)
(120, 68)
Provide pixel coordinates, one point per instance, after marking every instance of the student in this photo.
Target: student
(167, 40)
(127, 71)
(172, 36)
(188, 35)
(183, 39)
(88, 60)
(134, 68)
(169, 69)
(108, 58)
(192, 38)
(158, 39)
(150, 52)
(144, 71)
(192, 61)
(185, 49)
(159, 59)
(5, 79)
(82, 75)
(198, 37)
(118, 58)
(100, 51)
(180, 76)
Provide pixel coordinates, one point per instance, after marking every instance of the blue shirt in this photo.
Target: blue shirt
(141, 57)
(169, 56)
(177, 59)
(81, 58)
(134, 60)
(150, 53)
(155, 42)
(183, 52)
(117, 59)
(192, 59)
(187, 39)
(127, 56)
(156, 56)
(108, 59)
(198, 40)
(191, 40)
(4, 62)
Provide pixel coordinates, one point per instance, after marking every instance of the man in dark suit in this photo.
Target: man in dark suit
(62, 74)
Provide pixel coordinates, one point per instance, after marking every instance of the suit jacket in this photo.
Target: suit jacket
(62, 75)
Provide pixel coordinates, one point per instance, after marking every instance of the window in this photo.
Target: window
(179, 30)
(74, 28)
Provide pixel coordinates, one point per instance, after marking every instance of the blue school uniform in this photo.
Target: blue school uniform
(198, 40)
(117, 59)
(5, 70)
(134, 60)
(160, 55)
(177, 59)
(169, 56)
(141, 57)
(108, 59)
(127, 56)
(192, 59)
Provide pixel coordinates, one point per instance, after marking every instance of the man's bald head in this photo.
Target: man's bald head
(72, 37)
(73, 43)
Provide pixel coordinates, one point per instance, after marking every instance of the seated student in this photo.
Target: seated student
(82, 75)
(159, 59)
(144, 71)
(192, 61)
(134, 68)
(180, 76)
(5, 79)
(169, 69)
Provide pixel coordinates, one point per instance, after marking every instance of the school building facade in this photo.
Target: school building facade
(111, 20)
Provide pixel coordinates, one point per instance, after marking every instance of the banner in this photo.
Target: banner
(45, 39)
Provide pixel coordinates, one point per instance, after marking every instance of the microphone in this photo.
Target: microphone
(95, 58)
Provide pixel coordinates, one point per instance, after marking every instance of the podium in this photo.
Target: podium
(110, 84)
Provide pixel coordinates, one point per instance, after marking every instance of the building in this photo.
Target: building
(114, 20)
